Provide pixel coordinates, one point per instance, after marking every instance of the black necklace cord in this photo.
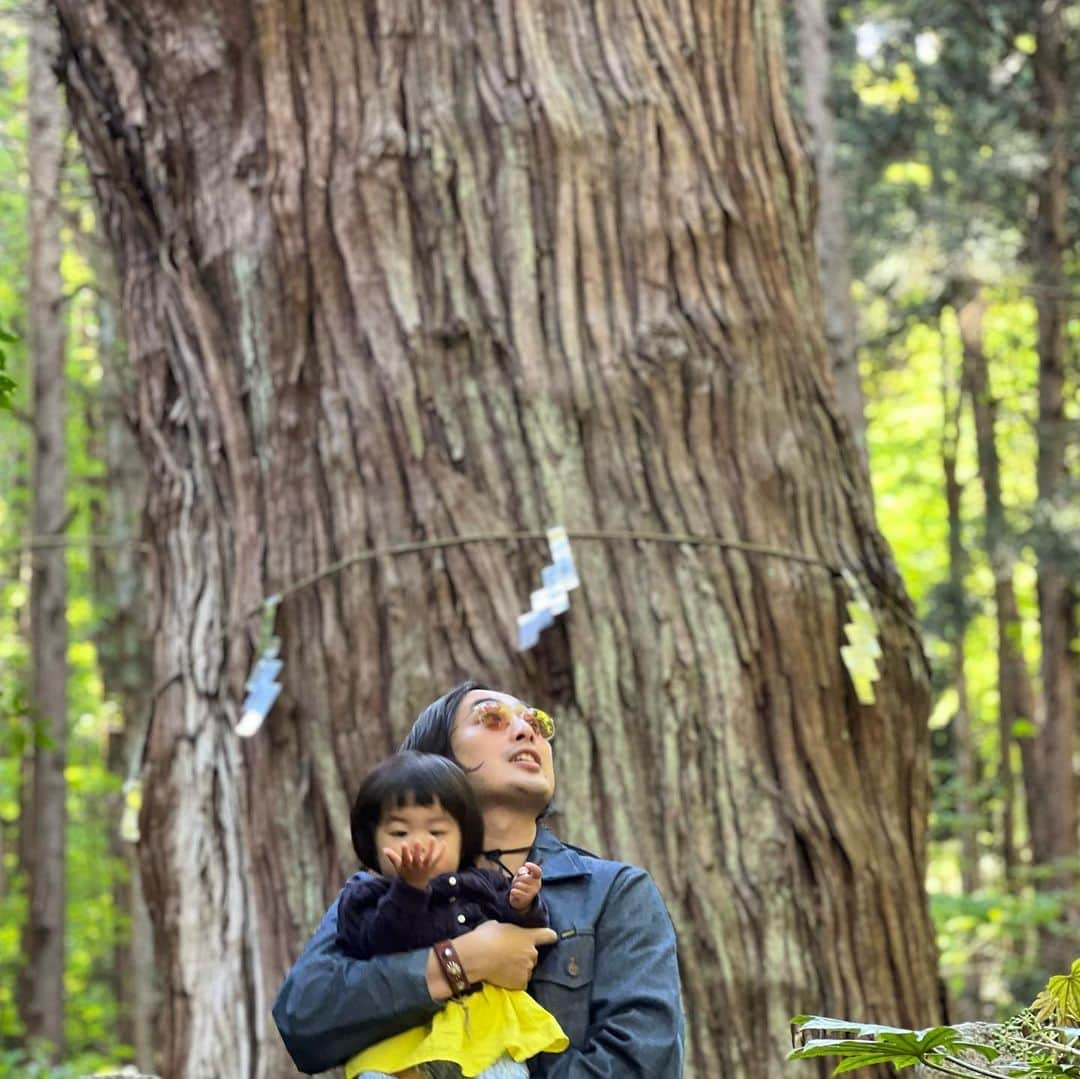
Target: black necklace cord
(496, 856)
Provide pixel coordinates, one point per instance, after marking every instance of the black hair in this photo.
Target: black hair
(435, 724)
(412, 778)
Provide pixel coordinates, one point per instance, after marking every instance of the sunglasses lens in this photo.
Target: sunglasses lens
(494, 716)
(497, 717)
(542, 723)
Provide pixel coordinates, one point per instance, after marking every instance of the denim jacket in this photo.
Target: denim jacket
(611, 980)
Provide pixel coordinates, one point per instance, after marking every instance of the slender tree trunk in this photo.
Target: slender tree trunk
(833, 242)
(966, 774)
(42, 1002)
(1054, 835)
(413, 271)
(24, 831)
(25, 842)
(25, 852)
(120, 587)
(1016, 696)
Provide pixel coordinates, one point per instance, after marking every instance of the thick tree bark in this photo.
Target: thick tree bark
(409, 271)
(1016, 696)
(1054, 837)
(833, 241)
(41, 1003)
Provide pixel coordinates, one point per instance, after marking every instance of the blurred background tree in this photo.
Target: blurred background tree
(954, 141)
(102, 995)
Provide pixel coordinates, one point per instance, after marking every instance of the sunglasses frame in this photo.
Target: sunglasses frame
(540, 721)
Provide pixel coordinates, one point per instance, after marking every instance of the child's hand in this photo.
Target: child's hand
(526, 885)
(415, 863)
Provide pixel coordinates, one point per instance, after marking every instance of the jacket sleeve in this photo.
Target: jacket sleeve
(635, 1020)
(376, 919)
(330, 1007)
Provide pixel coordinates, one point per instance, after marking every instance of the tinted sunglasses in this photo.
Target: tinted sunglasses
(497, 716)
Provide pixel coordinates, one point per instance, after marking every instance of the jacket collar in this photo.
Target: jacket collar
(559, 861)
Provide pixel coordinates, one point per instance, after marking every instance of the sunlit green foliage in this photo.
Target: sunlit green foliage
(938, 150)
(7, 384)
(94, 926)
(1059, 1002)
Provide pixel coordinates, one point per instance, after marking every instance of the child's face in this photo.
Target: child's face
(419, 824)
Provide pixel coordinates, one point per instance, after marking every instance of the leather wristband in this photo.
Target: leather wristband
(453, 971)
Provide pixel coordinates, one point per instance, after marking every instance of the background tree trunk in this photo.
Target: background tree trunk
(41, 1003)
(402, 272)
(1015, 693)
(965, 777)
(833, 243)
(119, 584)
(1054, 836)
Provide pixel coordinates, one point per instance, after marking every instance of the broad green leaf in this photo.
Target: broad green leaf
(1059, 1002)
(823, 1022)
(888, 1045)
(987, 1051)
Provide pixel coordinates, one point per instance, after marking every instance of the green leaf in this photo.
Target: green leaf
(823, 1022)
(888, 1045)
(1059, 1002)
(987, 1051)
(7, 384)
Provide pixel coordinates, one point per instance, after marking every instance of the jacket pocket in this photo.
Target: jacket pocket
(562, 983)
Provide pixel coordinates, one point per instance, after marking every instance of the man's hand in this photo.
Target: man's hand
(501, 954)
(415, 863)
(526, 885)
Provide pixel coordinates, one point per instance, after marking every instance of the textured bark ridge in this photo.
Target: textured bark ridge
(401, 271)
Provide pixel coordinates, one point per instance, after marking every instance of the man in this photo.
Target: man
(608, 971)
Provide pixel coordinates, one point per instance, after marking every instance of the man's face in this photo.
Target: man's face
(508, 761)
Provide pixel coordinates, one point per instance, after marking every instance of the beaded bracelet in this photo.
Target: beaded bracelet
(454, 972)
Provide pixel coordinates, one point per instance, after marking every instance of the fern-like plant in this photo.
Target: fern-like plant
(1041, 1042)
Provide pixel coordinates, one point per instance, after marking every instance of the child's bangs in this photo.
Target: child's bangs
(417, 794)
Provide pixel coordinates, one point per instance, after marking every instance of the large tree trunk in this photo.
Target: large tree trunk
(407, 272)
(41, 1004)
(1054, 836)
(832, 237)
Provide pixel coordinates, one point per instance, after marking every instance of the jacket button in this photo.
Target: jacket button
(572, 968)
(452, 881)
(461, 918)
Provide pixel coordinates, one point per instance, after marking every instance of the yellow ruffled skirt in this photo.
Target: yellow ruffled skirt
(473, 1032)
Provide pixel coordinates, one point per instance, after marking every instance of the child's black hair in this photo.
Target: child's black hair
(412, 778)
